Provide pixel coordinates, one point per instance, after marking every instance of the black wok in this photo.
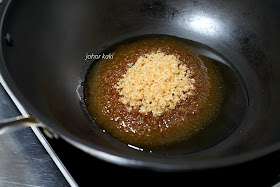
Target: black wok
(44, 43)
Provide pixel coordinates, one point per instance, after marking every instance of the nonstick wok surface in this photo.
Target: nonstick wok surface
(44, 44)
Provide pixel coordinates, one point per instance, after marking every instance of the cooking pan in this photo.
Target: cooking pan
(44, 43)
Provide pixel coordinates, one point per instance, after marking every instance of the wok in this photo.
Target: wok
(44, 43)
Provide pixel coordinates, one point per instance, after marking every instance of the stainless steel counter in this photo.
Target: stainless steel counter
(23, 159)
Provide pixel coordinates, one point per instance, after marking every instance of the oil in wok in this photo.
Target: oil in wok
(165, 94)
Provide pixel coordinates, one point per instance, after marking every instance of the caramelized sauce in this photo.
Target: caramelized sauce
(188, 118)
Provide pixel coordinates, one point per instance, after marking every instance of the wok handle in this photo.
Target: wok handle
(10, 124)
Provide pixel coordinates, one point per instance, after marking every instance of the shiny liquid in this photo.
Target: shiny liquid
(195, 124)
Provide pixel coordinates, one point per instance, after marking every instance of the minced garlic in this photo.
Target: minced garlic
(156, 83)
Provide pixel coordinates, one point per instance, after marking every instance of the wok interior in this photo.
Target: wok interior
(45, 66)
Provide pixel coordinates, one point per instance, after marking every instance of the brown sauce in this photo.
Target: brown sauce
(146, 130)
